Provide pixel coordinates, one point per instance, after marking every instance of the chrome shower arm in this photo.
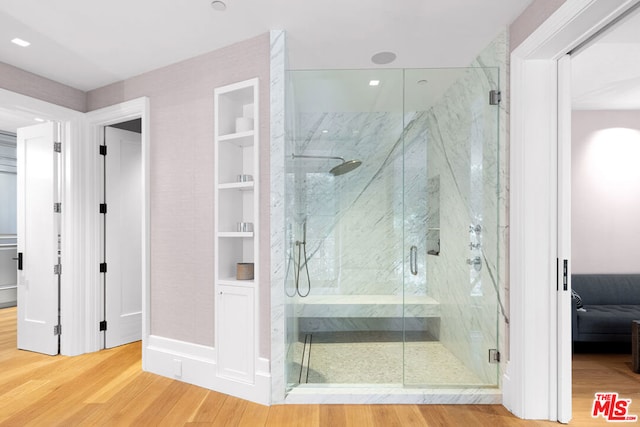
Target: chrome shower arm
(303, 156)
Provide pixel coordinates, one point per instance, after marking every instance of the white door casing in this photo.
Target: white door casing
(535, 381)
(564, 348)
(38, 234)
(95, 122)
(123, 237)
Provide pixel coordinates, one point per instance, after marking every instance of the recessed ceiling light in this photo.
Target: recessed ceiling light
(219, 5)
(374, 82)
(20, 42)
(381, 58)
(38, 119)
(325, 131)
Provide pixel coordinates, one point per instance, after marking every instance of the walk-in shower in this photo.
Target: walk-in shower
(393, 271)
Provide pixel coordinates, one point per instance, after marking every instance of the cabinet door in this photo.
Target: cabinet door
(235, 333)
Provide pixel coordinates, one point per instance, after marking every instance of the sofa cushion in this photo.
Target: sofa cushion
(607, 288)
(607, 319)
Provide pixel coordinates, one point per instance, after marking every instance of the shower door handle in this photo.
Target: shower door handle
(413, 260)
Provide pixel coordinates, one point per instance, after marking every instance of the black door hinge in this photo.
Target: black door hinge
(103, 325)
(103, 267)
(57, 330)
(103, 208)
(57, 147)
(103, 150)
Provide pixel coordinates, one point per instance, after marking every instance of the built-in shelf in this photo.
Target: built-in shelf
(243, 234)
(236, 155)
(248, 185)
(241, 139)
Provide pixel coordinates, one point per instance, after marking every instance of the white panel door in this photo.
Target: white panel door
(38, 231)
(123, 237)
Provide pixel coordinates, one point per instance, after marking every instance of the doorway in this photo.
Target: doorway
(81, 306)
(605, 193)
(121, 209)
(124, 128)
(537, 235)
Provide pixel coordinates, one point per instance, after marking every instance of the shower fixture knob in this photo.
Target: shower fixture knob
(475, 229)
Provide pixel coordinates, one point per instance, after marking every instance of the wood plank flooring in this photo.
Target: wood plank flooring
(108, 388)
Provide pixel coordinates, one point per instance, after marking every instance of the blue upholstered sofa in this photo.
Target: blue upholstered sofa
(610, 302)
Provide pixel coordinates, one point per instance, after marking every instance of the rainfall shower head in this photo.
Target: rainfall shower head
(344, 167)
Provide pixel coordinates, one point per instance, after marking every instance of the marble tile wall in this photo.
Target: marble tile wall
(279, 329)
(353, 221)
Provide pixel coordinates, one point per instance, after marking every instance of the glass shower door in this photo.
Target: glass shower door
(344, 228)
(451, 227)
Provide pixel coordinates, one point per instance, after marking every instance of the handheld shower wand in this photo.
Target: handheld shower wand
(302, 249)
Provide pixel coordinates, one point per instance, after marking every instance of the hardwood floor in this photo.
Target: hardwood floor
(108, 388)
(593, 373)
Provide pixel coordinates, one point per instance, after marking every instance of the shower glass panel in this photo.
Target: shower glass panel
(451, 228)
(391, 212)
(344, 230)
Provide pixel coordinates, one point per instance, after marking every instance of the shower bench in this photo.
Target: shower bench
(368, 306)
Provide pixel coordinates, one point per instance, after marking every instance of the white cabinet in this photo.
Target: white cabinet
(236, 226)
(235, 343)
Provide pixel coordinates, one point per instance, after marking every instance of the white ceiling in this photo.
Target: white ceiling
(606, 74)
(86, 44)
(89, 44)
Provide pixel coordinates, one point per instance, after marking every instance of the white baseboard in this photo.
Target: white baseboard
(196, 364)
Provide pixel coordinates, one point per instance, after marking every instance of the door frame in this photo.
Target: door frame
(71, 123)
(95, 122)
(533, 368)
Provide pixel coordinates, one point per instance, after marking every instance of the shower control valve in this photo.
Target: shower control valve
(476, 262)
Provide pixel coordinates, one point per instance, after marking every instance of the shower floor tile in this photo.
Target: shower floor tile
(377, 358)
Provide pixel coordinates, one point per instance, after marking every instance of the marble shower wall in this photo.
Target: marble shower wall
(354, 222)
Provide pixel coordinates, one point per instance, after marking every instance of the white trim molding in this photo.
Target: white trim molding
(196, 364)
(530, 383)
